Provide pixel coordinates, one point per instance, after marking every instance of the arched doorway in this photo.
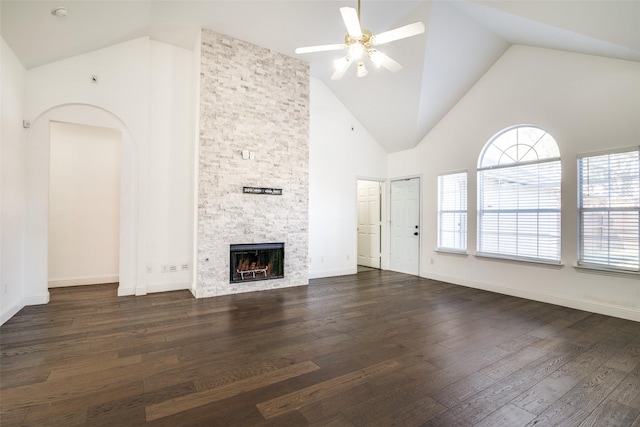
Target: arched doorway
(37, 207)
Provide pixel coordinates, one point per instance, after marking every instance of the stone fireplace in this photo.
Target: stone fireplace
(252, 100)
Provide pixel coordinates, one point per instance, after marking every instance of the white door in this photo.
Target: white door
(405, 226)
(369, 224)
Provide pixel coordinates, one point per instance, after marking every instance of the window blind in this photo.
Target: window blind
(519, 211)
(609, 210)
(452, 212)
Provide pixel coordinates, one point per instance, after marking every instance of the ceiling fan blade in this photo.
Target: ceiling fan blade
(382, 60)
(397, 34)
(342, 65)
(350, 17)
(320, 48)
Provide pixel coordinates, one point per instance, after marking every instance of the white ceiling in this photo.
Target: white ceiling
(463, 39)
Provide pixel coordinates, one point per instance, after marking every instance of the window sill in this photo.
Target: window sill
(520, 260)
(596, 269)
(445, 251)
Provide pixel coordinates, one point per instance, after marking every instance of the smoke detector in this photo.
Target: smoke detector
(59, 11)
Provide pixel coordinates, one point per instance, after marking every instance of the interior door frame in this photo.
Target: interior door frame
(419, 177)
(379, 186)
(384, 221)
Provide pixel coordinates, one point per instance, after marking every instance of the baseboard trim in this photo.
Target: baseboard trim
(37, 299)
(167, 287)
(123, 292)
(331, 273)
(606, 309)
(9, 312)
(77, 281)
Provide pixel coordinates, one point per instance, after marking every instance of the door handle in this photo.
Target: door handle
(415, 234)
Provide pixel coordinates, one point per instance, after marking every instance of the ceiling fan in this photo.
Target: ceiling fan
(360, 43)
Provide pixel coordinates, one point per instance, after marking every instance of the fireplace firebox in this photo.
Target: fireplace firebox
(262, 261)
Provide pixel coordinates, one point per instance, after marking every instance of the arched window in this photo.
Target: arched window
(519, 196)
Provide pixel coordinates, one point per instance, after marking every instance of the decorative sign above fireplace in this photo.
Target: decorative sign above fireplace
(262, 190)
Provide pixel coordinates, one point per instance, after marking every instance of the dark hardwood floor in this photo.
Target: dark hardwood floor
(373, 349)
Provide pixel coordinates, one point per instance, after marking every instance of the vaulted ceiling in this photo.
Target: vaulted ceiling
(462, 40)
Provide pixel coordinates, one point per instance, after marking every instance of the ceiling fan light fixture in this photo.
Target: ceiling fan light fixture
(356, 51)
(359, 42)
(361, 70)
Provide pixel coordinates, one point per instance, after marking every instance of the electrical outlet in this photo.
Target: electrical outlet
(149, 269)
(169, 268)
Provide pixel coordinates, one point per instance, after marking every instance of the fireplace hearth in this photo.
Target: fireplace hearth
(261, 261)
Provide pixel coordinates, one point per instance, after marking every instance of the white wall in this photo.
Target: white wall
(195, 155)
(84, 205)
(12, 75)
(340, 152)
(170, 154)
(144, 89)
(588, 104)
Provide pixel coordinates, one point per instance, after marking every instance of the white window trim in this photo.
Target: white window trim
(513, 165)
(451, 251)
(596, 268)
(593, 267)
(510, 257)
(519, 259)
(446, 249)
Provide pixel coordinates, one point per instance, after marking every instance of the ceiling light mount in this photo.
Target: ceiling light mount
(59, 11)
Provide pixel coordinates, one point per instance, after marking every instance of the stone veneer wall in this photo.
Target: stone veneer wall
(251, 99)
